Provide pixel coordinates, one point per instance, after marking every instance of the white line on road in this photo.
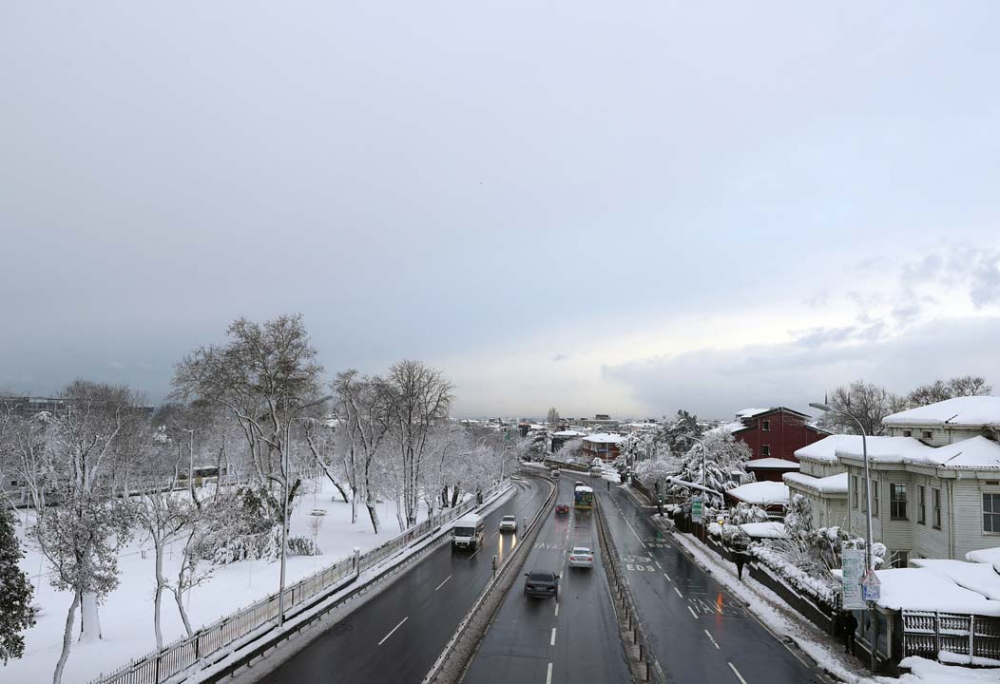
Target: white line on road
(678, 592)
(737, 673)
(693, 614)
(658, 564)
(442, 584)
(393, 630)
(553, 641)
(548, 677)
(477, 551)
(557, 609)
(714, 642)
(668, 577)
(633, 531)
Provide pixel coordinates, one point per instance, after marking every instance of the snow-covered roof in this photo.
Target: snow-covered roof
(978, 577)
(923, 589)
(825, 450)
(772, 464)
(764, 530)
(568, 433)
(583, 488)
(977, 453)
(761, 493)
(960, 411)
(835, 484)
(991, 555)
(750, 412)
(604, 438)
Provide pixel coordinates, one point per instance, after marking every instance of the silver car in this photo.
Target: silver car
(581, 557)
(508, 523)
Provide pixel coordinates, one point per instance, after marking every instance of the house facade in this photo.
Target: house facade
(602, 445)
(776, 432)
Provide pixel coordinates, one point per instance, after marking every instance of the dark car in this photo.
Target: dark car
(541, 584)
(562, 509)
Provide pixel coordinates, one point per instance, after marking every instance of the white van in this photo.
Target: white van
(468, 532)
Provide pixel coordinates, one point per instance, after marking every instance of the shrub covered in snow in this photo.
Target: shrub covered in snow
(303, 546)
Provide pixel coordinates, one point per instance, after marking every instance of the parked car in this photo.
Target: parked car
(562, 509)
(581, 557)
(554, 472)
(508, 523)
(541, 584)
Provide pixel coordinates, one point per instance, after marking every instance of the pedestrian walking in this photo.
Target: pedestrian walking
(850, 625)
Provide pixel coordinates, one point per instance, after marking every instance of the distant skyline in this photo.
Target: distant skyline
(602, 208)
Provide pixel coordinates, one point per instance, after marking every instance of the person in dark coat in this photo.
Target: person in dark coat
(849, 624)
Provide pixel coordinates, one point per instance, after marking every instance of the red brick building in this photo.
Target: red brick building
(772, 434)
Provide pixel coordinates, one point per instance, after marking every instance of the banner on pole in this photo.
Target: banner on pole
(853, 572)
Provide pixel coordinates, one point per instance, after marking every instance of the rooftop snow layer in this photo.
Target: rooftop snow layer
(960, 411)
(977, 453)
(761, 493)
(978, 577)
(750, 412)
(826, 448)
(764, 530)
(772, 463)
(923, 589)
(604, 438)
(835, 484)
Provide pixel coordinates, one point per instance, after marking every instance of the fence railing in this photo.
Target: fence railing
(928, 633)
(159, 666)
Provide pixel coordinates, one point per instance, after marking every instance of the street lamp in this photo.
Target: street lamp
(284, 507)
(868, 507)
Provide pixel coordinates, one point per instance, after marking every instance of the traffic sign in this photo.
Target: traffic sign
(871, 587)
(697, 508)
(853, 571)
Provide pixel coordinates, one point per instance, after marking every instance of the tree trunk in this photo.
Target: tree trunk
(158, 597)
(67, 639)
(90, 620)
(444, 497)
(179, 598)
(399, 517)
(373, 514)
(354, 505)
(340, 489)
(454, 496)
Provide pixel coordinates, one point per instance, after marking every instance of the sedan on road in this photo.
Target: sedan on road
(541, 584)
(581, 557)
(562, 509)
(508, 523)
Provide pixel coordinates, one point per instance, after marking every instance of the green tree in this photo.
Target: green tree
(16, 614)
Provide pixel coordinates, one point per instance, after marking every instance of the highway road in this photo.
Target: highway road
(548, 641)
(398, 634)
(697, 630)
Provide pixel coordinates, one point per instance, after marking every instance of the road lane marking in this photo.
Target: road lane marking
(553, 641)
(693, 614)
(474, 554)
(393, 630)
(668, 577)
(442, 584)
(548, 677)
(737, 673)
(658, 564)
(714, 642)
(678, 592)
(557, 609)
(633, 531)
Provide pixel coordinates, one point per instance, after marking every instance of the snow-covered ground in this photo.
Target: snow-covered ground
(127, 614)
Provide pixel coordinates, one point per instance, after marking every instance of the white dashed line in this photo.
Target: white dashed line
(658, 564)
(548, 677)
(393, 630)
(442, 584)
(557, 609)
(553, 641)
(714, 642)
(737, 673)
(693, 614)
(668, 577)
(678, 592)
(642, 543)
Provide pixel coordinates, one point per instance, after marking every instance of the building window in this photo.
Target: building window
(936, 504)
(767, 426)
(991, 513)
(927, 434)
(854, 492)
(875, 504)
(897, 501)
(899, 559)
(765, 450)
(907, 433)
(922, 505)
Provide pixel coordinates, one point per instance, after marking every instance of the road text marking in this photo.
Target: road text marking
(393, 630)
(737, 673)
(442, 584)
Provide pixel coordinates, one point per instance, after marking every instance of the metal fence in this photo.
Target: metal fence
(927, 634)
(157, 667)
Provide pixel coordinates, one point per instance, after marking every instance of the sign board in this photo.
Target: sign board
(853, 571)
(697, 508)
(871, 587)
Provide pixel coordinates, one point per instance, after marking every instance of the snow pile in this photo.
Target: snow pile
(835, 484)
(960, 411)
(923, 671)
(761, 493)
(764, 530)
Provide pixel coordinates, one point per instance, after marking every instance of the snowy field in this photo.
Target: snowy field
(127, 614)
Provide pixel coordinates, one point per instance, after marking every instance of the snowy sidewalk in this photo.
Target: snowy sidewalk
(775, 614)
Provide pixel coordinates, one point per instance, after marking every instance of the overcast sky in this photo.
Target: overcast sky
(623, 208)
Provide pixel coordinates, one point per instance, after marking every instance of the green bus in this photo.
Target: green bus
(583, 497)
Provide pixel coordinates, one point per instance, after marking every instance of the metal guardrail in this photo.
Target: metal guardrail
(641, 660)
(158, 666)
(455, 658)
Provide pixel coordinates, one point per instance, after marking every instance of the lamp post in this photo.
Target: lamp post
(284, 507)
(868, 510)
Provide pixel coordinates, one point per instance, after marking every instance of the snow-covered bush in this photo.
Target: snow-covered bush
(744, 513)
(303, 546)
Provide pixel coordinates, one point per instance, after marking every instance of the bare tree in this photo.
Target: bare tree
(553, 417)
(867, 402)
(418, 397)
(940, 390)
